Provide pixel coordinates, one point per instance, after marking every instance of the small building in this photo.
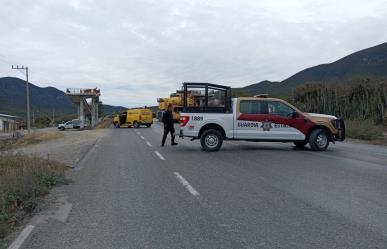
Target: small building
(8, 123)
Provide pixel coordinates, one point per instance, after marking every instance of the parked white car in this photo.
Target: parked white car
(72, 124)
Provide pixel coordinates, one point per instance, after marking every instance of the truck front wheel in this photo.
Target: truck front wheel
(300, 144)
(319, 140)
(211, 140)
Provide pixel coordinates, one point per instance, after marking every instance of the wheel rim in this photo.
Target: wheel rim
(211, 141)
(321, 141)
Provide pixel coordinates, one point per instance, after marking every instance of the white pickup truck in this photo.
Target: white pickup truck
(72, 124)
(216, 117)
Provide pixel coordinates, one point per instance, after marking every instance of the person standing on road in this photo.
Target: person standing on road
(168, 126)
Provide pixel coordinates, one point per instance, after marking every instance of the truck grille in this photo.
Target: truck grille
(340, 126)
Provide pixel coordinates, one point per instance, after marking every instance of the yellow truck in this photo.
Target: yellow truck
(176, 102)
(134, 118)
(177, 106)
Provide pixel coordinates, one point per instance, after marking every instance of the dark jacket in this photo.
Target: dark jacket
(168, 120)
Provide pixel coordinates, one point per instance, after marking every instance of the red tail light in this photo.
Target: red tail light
(184, 120)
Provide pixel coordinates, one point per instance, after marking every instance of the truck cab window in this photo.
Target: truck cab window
(251, 107)
(279, 108)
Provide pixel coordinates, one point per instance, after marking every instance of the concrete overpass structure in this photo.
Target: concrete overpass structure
(80, 98)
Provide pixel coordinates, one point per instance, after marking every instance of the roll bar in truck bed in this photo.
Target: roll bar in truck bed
(225, 94)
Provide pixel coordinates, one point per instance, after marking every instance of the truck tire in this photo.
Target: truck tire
(319, 140)
(148, 125)
(300, 144)
(136, 124)
(211, 140)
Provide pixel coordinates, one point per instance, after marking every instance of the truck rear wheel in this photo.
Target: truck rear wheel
(319, 140)
(211, 140)
(148, 125)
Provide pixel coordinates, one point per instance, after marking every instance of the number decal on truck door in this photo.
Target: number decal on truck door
(197, 118)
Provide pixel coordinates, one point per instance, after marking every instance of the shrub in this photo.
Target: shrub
(363, 129)
(24, 180)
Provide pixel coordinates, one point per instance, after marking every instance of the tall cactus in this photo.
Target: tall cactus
(356, 99)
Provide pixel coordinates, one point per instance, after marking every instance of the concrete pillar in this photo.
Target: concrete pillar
(96, 110)
(78, 110)
(93, 116)
(82, 113)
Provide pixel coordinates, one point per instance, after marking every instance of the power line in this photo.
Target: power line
(22, 72)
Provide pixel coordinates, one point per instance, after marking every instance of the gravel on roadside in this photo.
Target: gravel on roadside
(69, 149)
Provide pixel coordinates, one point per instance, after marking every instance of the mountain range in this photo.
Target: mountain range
(370, 62)
(43, 100)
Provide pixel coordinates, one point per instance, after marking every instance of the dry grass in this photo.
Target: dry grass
(24, 180)
(364, 130)
(37, 137)
(33, 138)
(105, 123)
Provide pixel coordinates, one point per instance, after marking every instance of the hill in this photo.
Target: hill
(370, 62)
(43, 100)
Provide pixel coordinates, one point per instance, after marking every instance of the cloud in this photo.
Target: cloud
(137, 50)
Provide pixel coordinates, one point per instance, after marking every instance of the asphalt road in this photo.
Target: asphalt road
(248, 195)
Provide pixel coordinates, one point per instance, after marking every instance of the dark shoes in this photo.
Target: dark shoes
(173, 144)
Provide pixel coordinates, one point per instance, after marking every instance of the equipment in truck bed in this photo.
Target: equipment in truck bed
(209, 98)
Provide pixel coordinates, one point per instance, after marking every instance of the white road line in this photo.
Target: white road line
(159, 155)
(22, 237)
(139, 133)
(186, 184)
(142, 137)
(149, 144)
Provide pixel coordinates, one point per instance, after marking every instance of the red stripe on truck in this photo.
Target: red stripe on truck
(301, 123)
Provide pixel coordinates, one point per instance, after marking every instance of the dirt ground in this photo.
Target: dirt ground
(69, 149)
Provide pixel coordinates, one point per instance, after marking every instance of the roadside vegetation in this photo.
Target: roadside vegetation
(364, 130)
(24, 180)
(360, 101)
(105, 123)
(33, 138)
(37, 137)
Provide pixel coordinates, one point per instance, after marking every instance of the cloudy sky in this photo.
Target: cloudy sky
(138, 50)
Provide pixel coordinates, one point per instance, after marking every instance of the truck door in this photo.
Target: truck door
(69, 125)
(284, 123)
(248, 121)
(123, 116)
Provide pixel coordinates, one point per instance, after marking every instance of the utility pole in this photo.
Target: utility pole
(28, 96)
(53, 116)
